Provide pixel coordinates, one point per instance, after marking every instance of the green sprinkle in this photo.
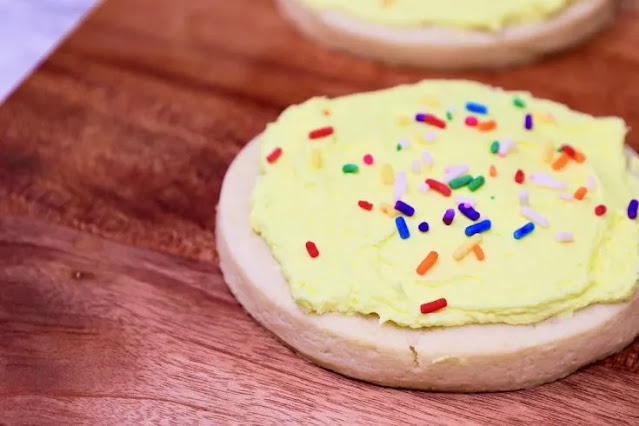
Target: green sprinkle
(476, 183)
(494, 147)
(449, 115)
(350, 168)
(519, 102)
(492, 197)
(460, 181)
(399, 146)
(560, 149)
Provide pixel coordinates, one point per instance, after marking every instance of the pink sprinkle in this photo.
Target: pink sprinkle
(471, 121)
(368, 159)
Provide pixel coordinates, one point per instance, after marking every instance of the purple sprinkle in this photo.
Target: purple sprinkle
(449, 216)
(420, 117)
(632, 209)
(423, 227)
(528, 122)
(468, 211)
(404, 208)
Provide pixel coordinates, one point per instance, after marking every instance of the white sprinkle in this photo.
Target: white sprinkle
(505, 146)
(423, 187)
(427, 159)
(460, 199)
(532, 215)
(544, 179)
(590, 183)
(400, 177)
(398, 192)
(523, 197)
(430, 136)
(416, 166)
(451, 109)
(566, 196)
(404, 143)
(455, 172)
(564, 237)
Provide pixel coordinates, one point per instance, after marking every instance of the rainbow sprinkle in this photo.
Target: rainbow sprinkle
(350, 168)
(476, 108)
(478, 228)
(476, 183)
(460, 181)
(524, 230)
(468, 211)
(466, 247)
(404, 208)
(528, 122)
(423, 227)
(402, 227)
(449, 215)
(632, 209)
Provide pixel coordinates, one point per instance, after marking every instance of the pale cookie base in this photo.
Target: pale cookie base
(446, 48)
(471, 358)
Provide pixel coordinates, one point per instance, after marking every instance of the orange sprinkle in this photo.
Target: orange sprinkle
(580, 193)
(388, 210)
(479, 253)
(486, 126)
(427, 263)
(579, 157)
(561, 162)
(326, 111)
(492, 171)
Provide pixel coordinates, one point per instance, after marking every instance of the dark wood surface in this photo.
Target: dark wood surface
(112, 306)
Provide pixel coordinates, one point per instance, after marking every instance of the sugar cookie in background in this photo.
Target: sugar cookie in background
(445, 235)
(449, 34)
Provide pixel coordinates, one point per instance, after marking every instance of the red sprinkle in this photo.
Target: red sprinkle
(312, 250)
(433, 306)
(321, 132)
(368, 159)
(434, 121)
(600, 210)
(471, 121)
(520, 176)
(439, 187)
(274, 155)
(365, 205)
(569, 150)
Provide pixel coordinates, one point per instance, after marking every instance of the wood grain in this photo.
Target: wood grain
(112, 308)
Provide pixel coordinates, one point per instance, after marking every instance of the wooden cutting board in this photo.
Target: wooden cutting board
(112, 306)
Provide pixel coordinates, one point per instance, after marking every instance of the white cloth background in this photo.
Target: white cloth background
(29, 30)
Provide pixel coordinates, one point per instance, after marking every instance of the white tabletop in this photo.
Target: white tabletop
(29, 30)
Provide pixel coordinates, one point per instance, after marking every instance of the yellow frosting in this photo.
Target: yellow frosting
(364, 267)
(466, 14)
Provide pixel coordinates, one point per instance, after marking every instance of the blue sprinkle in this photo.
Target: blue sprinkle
(524, 230)
(468, 211)
(423, 227)
(632, 209)
(479, 227)
(404, 208)
(528, 122)
(476, 108)
(402, 228)
(420, 117)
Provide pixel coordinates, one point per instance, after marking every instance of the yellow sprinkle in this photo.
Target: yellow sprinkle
(549, 152)
(404, 121)
(388, 210)
(316, 159)
(542, 116)
(468, 245)
(431, 102)
(388, 176)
